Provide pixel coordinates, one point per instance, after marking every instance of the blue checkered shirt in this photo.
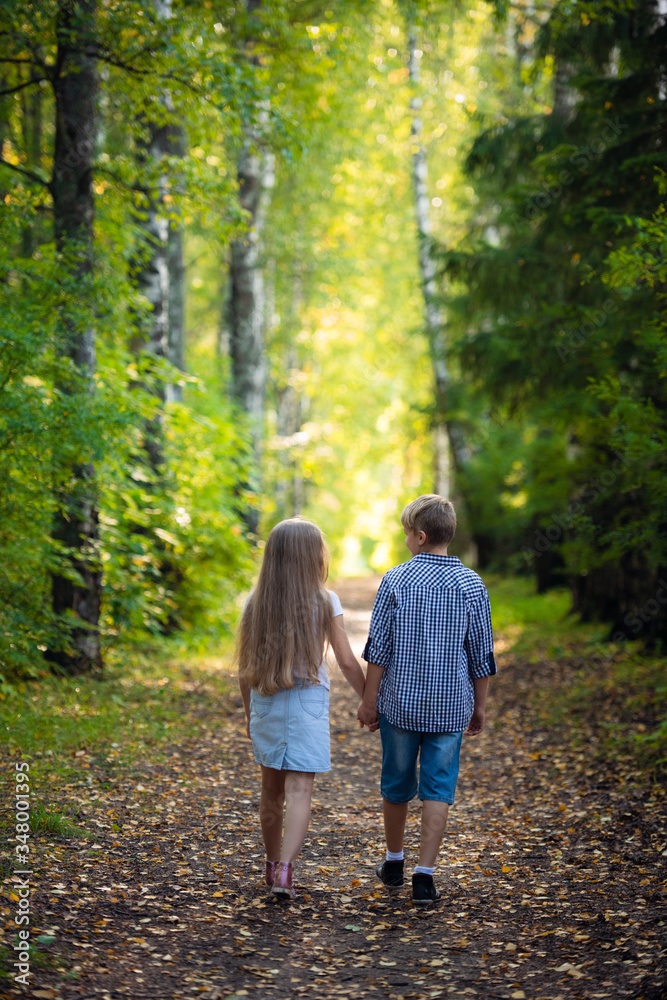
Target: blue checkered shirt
(431, 632)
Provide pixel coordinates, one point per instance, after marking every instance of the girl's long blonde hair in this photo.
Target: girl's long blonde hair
(286, 623)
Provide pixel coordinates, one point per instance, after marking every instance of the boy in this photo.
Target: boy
(430, 656)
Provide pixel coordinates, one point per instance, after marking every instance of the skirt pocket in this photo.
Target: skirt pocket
(260, 704)
(314, 700)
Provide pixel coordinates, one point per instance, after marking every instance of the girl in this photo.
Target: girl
(288, 622)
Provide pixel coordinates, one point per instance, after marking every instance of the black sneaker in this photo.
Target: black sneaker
(391, 873)
(423, 889)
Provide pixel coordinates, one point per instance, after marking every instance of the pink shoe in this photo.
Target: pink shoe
(271, 872)
(282, 883)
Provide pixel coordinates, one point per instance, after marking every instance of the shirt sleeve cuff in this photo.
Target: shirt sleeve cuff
(487, 668)
(373, 654)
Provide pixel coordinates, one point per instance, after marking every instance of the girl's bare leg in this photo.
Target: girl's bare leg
(271, 807)
(298, 792)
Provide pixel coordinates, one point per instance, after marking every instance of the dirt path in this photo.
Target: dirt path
(551, 875)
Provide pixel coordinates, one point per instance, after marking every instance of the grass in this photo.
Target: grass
(136, 702)
(93, 732)
(47, 820)
(534, 625)
(617, 688)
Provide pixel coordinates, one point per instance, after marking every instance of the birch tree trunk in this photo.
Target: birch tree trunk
(160, 278)
(75, 90)
(176, 147)
(433, 314)
(246, 306)
(289, 487)
(176, 312)
(246, 284)
(152, 278)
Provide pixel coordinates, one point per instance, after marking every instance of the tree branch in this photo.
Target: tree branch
(25, 44)
(117, 180)
(102, 52)
(20, 86)
(135, 71)
(35, 178)
(104, 56)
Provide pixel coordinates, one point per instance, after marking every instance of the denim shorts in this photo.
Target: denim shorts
(290, 729)
(438, 755)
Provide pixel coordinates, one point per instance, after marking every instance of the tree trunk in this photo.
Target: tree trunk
(565, 96)
(75, 91)
(160, 276)
(246, 291)
(629, 593)
(31, 121)
(176, 269)
(153, 276)
(289, 487)
(435, 323)
(246, 307)
(176, 318)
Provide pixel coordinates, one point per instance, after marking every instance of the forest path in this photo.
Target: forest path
(550, 873)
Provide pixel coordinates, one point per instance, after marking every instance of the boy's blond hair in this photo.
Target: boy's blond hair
(433, 515)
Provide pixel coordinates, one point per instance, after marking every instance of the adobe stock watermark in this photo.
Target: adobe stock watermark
(575, 337)
(576, 164)
(21, 947)
(635, 620)
(640, 616)
(596, 487)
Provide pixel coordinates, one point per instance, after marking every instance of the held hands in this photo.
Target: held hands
(368, 716)
(476, 724)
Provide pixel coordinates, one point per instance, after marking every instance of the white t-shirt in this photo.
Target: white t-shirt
(323, 673)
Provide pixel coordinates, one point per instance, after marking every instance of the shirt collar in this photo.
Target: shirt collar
(434, 557)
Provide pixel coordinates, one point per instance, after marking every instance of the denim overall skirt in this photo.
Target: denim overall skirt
(290, 729)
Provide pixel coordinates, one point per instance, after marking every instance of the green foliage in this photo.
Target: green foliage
(170, 545)
(551, 239)
(560, 319)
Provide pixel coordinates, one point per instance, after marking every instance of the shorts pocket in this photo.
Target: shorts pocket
(260, 704)
(314, 700)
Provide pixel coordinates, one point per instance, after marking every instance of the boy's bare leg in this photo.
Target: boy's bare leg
(298, 792)
(271, 805)
(433, 826)
(395, 815)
